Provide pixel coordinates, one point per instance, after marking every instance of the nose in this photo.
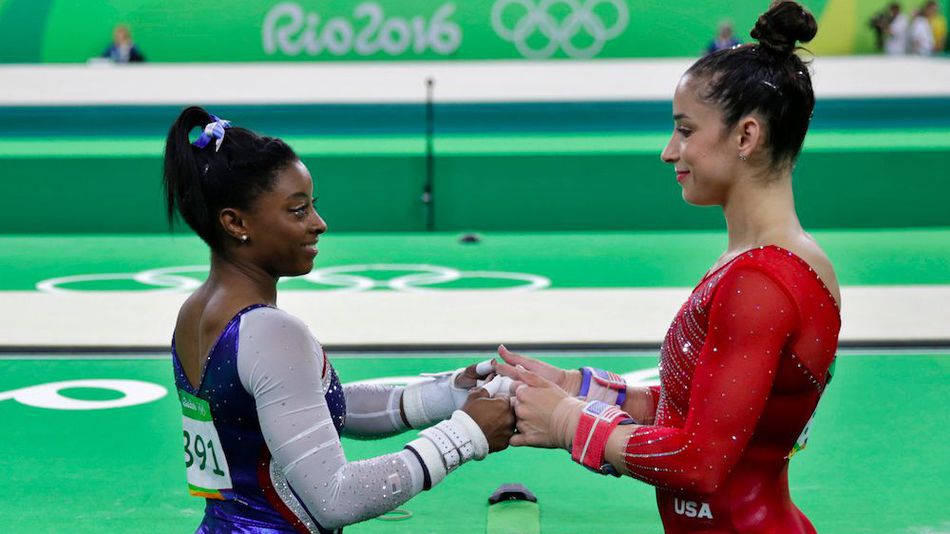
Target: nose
(319, 225)
(670, 154)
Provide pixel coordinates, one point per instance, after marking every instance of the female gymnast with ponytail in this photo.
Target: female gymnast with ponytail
(747, 357)
(262, 407)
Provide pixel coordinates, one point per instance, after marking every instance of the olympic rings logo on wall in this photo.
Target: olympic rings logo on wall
(403, 277)
(538, 32)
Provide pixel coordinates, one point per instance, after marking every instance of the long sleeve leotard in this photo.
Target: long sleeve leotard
(742, 368)
(278, 411)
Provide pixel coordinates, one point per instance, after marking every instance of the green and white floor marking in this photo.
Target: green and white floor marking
(114, 466)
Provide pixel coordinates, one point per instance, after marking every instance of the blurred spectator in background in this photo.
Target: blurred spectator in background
(122, 49)
(895, 40)
(938, 23)
(724, 38)
(921, 37)
(881, 23)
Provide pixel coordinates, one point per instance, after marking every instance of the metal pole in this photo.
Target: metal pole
(427, 199)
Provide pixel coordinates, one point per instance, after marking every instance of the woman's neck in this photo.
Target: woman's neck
(760, 213)
(242, 278)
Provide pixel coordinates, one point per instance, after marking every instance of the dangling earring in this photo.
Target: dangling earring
(742, 157)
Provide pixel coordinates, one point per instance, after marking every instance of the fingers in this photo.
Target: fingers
(475, 374)
(478, 393)
(518, 440)
(505, 369)
(518, 373)
(532, 379)
(500, 386)
(509, 357)
(485, 368)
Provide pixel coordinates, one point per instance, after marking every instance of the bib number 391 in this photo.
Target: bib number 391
(208, 474)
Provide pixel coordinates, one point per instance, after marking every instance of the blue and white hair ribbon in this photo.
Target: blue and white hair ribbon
(214, 130)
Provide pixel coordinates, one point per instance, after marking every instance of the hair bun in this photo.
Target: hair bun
(783, 25)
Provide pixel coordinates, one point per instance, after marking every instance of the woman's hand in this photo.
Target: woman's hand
(569, 381)
(493, 416)
(547, 415)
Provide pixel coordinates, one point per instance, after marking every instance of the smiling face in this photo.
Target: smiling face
(283, 227)
(702, 150)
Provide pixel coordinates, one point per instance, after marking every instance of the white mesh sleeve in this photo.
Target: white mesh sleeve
(372, 410)
(280, 364)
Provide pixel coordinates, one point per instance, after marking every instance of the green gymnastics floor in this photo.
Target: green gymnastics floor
(568, 260)
(876, 462)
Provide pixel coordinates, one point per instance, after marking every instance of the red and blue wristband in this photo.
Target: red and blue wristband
(602, 385)
(597, 422)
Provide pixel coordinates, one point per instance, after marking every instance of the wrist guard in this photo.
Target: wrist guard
(597, 421)
(447, 445)
(602, 385)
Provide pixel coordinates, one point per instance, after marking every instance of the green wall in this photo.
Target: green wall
(504, 167)
(324, 30)
(496, 189)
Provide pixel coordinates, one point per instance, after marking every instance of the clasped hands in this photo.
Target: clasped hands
(539, 408)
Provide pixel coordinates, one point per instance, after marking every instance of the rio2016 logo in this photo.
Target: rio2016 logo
(538, 29)
(290, 30)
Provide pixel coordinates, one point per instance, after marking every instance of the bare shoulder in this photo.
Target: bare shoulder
(203, 317)
(189, 317)
(806, 248)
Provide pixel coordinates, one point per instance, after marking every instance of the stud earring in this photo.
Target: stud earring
(244, 238)
(742, 157)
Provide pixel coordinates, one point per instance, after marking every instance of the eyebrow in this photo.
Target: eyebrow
(298, 194)
(680, 116)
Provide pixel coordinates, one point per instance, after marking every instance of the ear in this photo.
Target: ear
(749, 135)
(233, 223)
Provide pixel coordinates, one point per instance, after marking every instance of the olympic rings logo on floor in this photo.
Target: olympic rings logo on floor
(49, 395)
(533, 18)
(134, 392)
(418, 278)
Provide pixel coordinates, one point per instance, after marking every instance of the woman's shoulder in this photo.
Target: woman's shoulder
(798, 254)
(207, 314)
(277, 327)
(273, 317)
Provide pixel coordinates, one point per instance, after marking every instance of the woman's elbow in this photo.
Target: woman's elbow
(705, 480)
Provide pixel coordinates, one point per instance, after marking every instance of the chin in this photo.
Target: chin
(694, 199)
(299, 270)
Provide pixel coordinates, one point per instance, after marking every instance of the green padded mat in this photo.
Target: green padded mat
(875, 464)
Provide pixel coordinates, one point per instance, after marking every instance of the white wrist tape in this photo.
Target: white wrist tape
(433, 398)
(449, 444)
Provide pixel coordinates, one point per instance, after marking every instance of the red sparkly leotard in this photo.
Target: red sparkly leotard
(741, 370)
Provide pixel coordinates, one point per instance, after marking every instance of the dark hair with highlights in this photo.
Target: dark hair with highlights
(767, 78)
(199, 182)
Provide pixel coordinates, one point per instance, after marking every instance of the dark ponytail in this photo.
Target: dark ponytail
(767, 78)
(199, 182)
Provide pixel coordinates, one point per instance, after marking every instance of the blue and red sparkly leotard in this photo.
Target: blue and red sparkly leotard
(742, 368)
(274, 405)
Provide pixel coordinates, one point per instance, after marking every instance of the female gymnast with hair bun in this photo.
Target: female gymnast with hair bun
(747, 357)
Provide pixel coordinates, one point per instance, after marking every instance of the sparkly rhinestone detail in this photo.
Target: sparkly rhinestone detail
(747, 354)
